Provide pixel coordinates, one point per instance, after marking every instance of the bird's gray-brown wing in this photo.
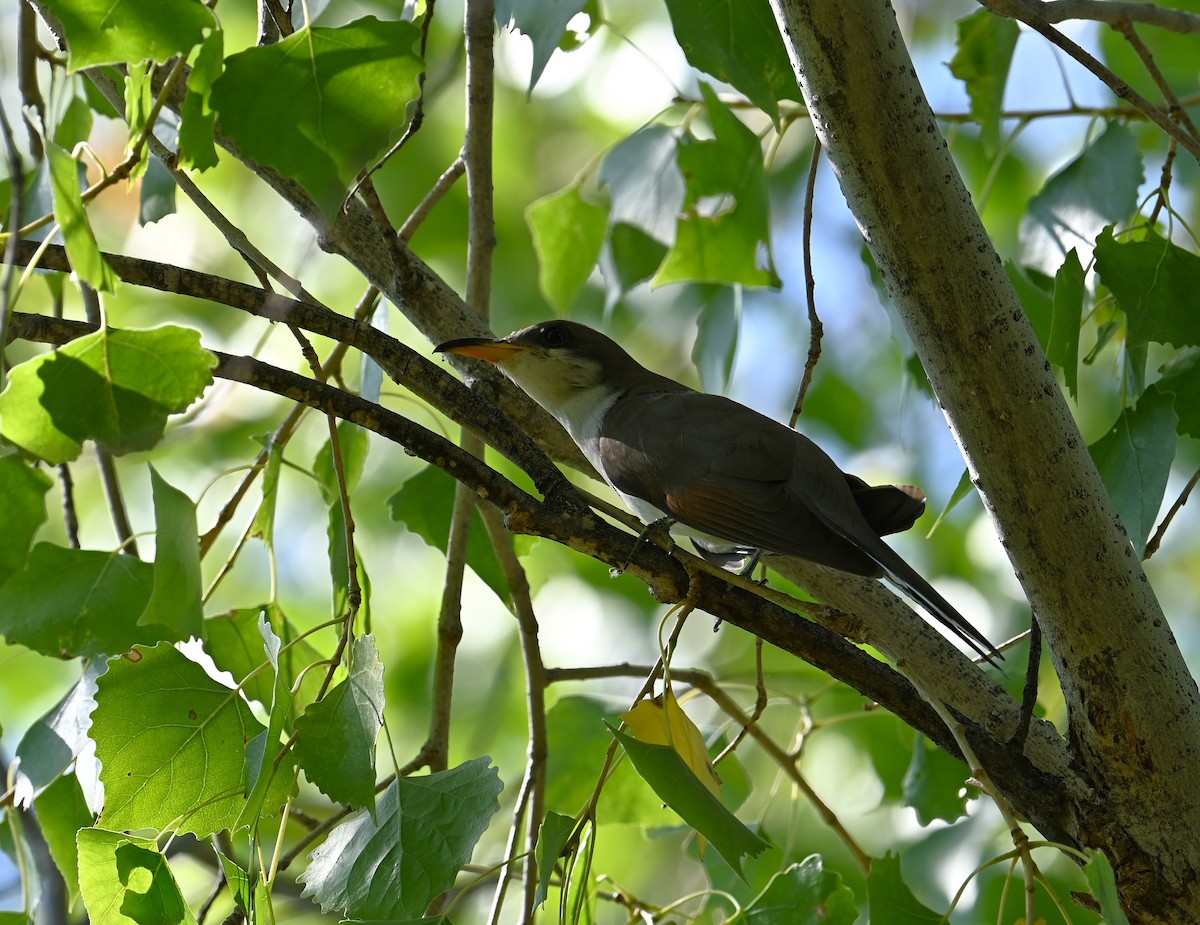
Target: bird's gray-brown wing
(727, 470)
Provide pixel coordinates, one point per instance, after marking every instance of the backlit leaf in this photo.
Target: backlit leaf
(172, 745)
(116, 387)
(425, 831)
(568, 232)
(981, 61)
(119, 31)
(738, 42)
(321, 104)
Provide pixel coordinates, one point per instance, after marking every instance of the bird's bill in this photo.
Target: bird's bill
(481, 348)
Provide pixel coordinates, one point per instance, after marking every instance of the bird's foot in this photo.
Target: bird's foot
(658, 532)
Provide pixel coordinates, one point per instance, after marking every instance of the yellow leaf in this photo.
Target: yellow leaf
(653, 724)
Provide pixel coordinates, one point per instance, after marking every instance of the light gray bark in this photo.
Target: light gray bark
(1133, 706)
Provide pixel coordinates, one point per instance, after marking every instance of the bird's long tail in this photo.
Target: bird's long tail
(906, 577)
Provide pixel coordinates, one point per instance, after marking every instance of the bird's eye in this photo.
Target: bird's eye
(554, 337)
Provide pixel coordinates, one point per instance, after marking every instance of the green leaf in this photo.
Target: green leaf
(62, 811)
(738, 42)
(156, 193)
(125, 879)
(724, 234)
(175, 600)
(1181, 377)
(1155, 283)
(198, 119)
(578, 741)
(891, 900)
(23, 489)
(961, 490)
(321, 104)
(568, 232)
(981, 61)
(80, 240)
(394, 866)
(1134, 459)
(73, 602)
(354, 443)
(643, 177)
(75, 125)
(629, 257)
(717, 337)
(266, 772)
(116, 387)
(238, 882)
(1063, 347)
(1103, 882)
(264, 518)
(424, 503)
(235, 643)
(678, 786)
(121, 31)
(1035, 290)
(1097, 188)
(336, 736)
(552, 839)
(543, 21)
(804, 894)
(935, 783)
(56, 739)
(172, 745)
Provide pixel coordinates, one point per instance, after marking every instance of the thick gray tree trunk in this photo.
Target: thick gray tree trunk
(1133, 707)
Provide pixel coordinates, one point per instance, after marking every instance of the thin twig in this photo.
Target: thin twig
(1029, 13)
(1156, 541)
(16, 171)
(816, 329)
(1174, 109)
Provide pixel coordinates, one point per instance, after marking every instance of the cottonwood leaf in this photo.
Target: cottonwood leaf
(645, 183)
(336, 736)
(679, 787)
(235, 643)
(1155, 283)
(553, 835)
(57, 738)
(543, 21)
(23, 489)
(198, 120)
(1063, 347)
(1097, 188)
(804, 894)
(78, 602)
(62, 811)
(423, 504)
(175, 600)
(935, 783)
(126, 880)
(1181, 377)
(115, 387)
(981, 61)
(323, 103)
(1134, 459)
(890, 898)
(172, 745)
(738, 42)
(568, 232)
(120, 31)
(425, 829)
(724, 233)
(78, 237)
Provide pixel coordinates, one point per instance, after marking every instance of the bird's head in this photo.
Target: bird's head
(560, 364)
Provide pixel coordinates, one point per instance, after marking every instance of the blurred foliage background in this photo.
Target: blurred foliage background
(868, 406)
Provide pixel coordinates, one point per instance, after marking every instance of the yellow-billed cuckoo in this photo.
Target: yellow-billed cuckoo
(735, 477)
